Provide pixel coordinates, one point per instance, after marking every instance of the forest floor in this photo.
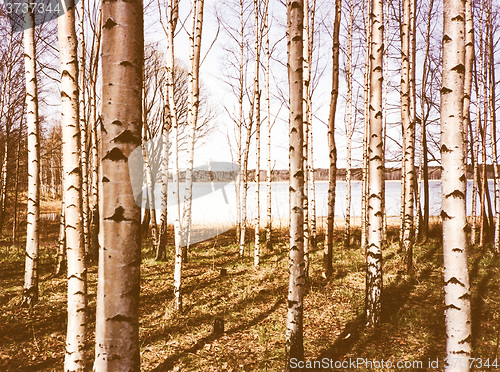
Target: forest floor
(252, 303)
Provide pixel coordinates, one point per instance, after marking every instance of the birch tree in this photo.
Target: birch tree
(256, 87)
(375, 169)
(347, 233)
(294, 324)
(267, 73)
(172, 18)
(30, 291)
(492, 108)
(407, 110)
(332, 174)
(453, 178)
(117, 323)
(72, 185)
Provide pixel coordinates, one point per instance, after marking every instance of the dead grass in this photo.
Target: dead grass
(252, 303)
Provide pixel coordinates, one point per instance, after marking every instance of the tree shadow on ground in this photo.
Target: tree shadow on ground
(168, 364)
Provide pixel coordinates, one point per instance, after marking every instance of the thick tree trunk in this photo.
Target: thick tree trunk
(375, 172)
(72, 185)
(117, 314)
(456, 278)
(294, 347)
(30, 291)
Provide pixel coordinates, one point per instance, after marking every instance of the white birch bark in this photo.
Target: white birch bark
(258, 43)
(375, 170)
(456, 277)
(347, 231)
(294, 324)
(74, 359)
(30, 291)
(117, 313)
(267, 52)
(194, 102)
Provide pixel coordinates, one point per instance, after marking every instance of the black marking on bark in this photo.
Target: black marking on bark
(458, 18)
(292, 303)
(456, 194)
(466, 340)
(445, 216)
(444, 149)
(446, 38)
(454, 280)
(126, 137)
(462, 178)
(457, 250)
(118, 215)
(126, 64)
(64, 95)
(299, 174)
(378, 115)
(105, 179)
(115, 155)
(451, 307)
(465, 296)
(110, 23)
(461, 352)
(116, 122)
(120, 318)
(459, 68)
(76, 170)
(445, 90)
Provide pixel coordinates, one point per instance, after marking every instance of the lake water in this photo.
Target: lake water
(214, 204)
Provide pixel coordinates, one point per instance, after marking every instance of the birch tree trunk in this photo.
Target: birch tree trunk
(456, 277)
(94, 200)
(30, 291)
(347, 233)
(407, 119)
(172, 17)
(194, 101)
(117, 313)
(306, 76)
(162, 239)
(375, 170)
(258, 41)
(74, 359)
(294, 347)
(267, 52)
(364, 180)
(310, 184)
(422, 228)
(83, 128)
(332, 178)
(492, 100)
